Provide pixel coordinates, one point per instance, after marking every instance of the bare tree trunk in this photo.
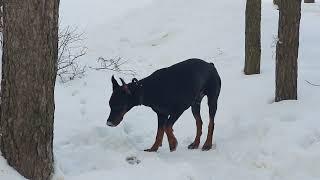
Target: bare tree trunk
(29, 66)
(253, 37)
(309, 1)
(1, 16)
(287, 50)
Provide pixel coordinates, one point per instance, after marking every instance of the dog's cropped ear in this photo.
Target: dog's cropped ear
(125, 86)
(123, 83)
(115, 84)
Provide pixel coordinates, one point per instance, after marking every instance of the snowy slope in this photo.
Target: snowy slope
(255, 137)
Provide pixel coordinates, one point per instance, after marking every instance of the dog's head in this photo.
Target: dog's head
(120, 102)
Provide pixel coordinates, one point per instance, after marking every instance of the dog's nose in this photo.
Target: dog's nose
(109, 123)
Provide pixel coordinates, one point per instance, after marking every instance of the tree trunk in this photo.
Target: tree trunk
(309, 1)
(253, 37)
(287, 50)
(27, 87)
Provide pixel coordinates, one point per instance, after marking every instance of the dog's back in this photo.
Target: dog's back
(177, 86)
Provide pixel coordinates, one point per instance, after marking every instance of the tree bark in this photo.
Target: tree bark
(287, 50)
(309, 1)
(29, 66)
(253, 37)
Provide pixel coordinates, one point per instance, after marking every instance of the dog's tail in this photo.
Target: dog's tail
(216, 75)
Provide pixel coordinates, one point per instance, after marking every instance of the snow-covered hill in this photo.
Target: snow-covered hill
(255, 137)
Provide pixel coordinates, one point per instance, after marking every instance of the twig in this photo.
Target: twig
(113, 64)
(312, 83)
(70, 49)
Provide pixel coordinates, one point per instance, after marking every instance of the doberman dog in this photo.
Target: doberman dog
(169, 92)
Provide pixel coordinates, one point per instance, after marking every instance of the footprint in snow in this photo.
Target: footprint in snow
(289, 119)
(83, 111)
(133, 160)
(83, 101)
(74, 93)
(311, 139)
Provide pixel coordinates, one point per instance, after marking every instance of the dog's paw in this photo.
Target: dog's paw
(173, 146)
(151, 150)
(206, 147)
(193, 145)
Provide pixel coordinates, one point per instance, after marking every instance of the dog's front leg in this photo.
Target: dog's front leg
(162, 119)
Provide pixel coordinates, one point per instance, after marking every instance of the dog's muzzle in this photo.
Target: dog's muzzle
(109, 123)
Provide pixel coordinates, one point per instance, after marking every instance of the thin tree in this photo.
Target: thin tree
(309, 1)
(29, 66)
(253, 37)
(287, 50)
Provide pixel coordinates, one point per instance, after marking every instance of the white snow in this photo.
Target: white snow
(255, 137)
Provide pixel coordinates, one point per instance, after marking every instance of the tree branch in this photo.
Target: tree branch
(71, 49)
(113, 64)
(312, 83)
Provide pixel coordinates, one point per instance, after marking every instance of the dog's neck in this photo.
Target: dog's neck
(140, 95)
(137, 93)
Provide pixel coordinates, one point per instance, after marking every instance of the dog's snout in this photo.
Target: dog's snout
(109, 123)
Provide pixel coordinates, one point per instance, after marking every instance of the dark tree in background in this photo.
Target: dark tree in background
(29, 66)
(253, 37)
(287, 49)
(309, 1)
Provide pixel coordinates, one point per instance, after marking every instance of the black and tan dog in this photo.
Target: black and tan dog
(169, 92)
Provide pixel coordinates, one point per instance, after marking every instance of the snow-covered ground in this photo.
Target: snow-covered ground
(255, 137)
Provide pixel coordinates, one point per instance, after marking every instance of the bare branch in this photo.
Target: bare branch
(70, 49)
(113, 64)
(312, 83)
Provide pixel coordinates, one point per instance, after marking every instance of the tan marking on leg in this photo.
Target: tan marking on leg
(157, 142)
(196, 141)
(208, 144)
(171, 139)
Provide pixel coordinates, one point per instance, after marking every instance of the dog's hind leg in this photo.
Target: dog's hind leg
(162, 120)
(196, 114)
(173, 143)
(212, 111)
(213, 94)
